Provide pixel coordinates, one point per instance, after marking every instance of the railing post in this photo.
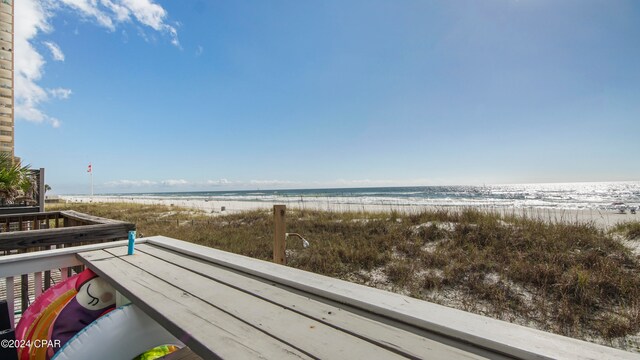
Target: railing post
(47, 273)
(37, 283)
(64, 273)
(24, 287)
(24, 292)
(41, 190)
(279, 243)
(11, 300)
(5, 314)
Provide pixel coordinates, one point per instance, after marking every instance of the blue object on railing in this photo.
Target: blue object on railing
(132, 241)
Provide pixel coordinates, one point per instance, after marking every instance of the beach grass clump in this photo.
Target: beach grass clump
(570, 278)
(575, 275)
(630, 230)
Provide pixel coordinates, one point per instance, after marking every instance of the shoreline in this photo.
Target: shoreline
(604, 219)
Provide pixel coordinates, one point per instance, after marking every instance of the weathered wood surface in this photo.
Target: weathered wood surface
(279, 234)
(381, 332)
(70, 235)
(78, 228)
(325, 331)
(41, 191)
(207, 330)
(88, 219)
(180, 292)
(9, 210)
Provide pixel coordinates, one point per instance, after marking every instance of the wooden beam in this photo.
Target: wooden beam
(279, 234)
(89, 219)
(45, 237)
(41, 190)
(18, 210)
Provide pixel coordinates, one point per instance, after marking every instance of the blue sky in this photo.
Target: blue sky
(217, 95)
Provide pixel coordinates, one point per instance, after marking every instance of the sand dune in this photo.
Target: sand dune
(601, 218)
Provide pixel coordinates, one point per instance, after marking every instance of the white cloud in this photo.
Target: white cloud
(120, 12)
(90, 9)
(220, 182)
(60, 93)
(110, 13)
(199, 50)
(262, 183)
(28, 64)
(146, 184)
(198, 185)
(271, 182)
(56, 53)
(130, 183)
(33, 21)
(173, 182)
(147, 13)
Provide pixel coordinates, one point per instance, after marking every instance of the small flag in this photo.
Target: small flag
(89, 168)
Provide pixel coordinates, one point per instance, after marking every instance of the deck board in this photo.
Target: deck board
(408, 343)
(208, 331)
(181, 290)
(307, 334)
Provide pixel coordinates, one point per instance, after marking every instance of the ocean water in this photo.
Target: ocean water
(592, 195)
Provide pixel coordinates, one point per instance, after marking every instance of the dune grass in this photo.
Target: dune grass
(630, 230)
(569, 278)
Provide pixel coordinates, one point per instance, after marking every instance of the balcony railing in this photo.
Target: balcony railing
(34, 232)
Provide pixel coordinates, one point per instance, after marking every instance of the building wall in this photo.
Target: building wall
(6, 78)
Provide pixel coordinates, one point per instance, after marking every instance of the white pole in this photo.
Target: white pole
(90, 170)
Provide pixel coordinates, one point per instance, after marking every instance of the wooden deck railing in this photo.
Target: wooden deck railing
(36, 230)
(25, 233)
(36, 264)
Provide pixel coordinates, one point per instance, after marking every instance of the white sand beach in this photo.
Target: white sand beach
(601, 218)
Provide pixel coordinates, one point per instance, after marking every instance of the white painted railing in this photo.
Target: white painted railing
(15, 266)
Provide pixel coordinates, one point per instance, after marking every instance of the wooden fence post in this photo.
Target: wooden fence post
(279, 256)
(41, 190)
